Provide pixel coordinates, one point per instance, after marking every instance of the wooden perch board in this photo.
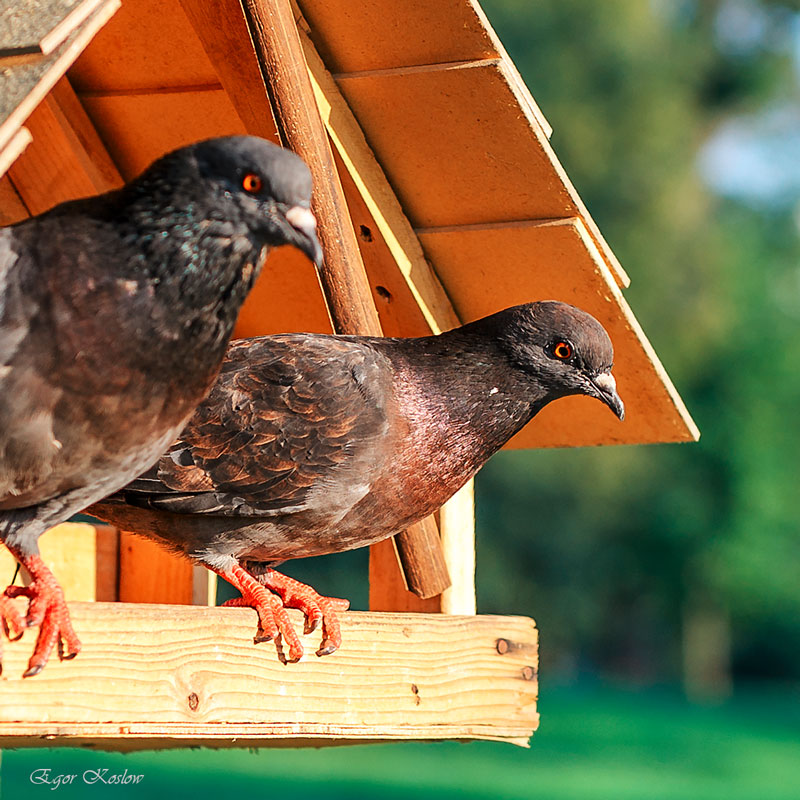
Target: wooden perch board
(154, 676)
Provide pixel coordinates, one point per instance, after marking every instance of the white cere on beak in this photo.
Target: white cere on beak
(301, 218)
(606, 383)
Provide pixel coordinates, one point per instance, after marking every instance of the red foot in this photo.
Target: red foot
(272, 617)
(48, 610)
(316, 607)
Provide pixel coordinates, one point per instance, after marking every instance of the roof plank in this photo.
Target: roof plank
(461, 147)
(149, 45)
(356, 36)
(379, 198)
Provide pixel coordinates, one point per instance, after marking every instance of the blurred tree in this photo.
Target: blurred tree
(624, 555)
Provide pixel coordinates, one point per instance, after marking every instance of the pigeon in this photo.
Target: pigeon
(115, 315)
(311, 444)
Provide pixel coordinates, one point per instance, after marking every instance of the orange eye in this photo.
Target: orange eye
(563, 350)
(252, 183)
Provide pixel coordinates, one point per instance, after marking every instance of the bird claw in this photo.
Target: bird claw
(48, 610)
(317, 608)
(273, 621)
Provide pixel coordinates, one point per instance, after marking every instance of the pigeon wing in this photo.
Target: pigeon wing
(290, 419)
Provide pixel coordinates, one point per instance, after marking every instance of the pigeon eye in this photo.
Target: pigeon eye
(252, 183)
(562, 351)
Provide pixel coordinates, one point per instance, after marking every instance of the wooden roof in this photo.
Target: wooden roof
(460, 204)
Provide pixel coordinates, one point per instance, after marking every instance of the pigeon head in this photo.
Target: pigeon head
(563, 349)
(239, 189)
(268, 188)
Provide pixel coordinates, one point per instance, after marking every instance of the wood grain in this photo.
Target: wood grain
(166, 672)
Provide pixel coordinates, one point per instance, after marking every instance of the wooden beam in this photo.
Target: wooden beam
(66, 159)
(178, 674)
(342, 276)
(378, 195)
(225, 36)
(344, 281)
(388, 589)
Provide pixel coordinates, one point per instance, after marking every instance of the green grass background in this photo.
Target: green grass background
(593, 743)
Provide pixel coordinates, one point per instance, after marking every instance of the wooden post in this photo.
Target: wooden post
(342, 276)
(457, 525)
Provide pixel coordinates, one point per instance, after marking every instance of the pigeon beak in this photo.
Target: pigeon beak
(305, 223)
(606, 388)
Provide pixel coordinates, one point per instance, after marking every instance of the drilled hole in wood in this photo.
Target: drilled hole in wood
(365, 233)
(383, 293)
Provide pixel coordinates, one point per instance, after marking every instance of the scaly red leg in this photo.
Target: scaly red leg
(316, 607)
(272, 616)
(47, 609)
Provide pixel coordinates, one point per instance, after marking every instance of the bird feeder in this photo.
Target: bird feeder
(440, 200)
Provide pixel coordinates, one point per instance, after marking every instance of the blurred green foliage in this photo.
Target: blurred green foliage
(613, 549)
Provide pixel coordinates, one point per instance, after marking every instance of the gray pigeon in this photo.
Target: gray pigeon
(115, 314)
(312, 444)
